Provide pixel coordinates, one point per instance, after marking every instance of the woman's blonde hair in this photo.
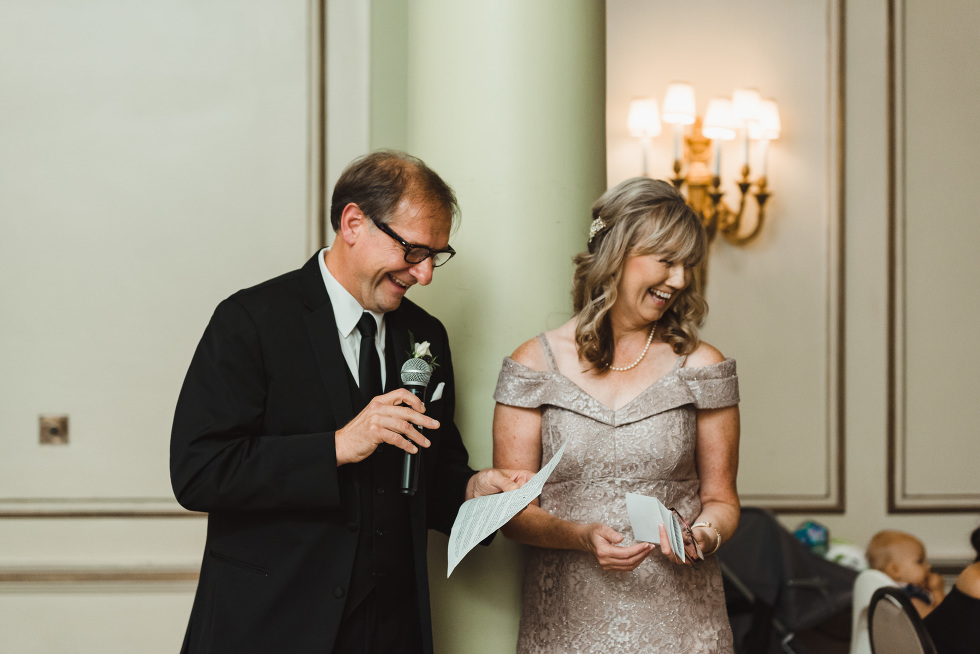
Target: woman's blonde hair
(641, 216)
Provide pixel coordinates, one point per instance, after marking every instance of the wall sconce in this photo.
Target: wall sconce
(746, 116)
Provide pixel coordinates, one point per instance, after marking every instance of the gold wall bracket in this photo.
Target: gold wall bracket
(705, 196)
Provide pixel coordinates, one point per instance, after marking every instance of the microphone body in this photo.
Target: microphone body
(415, 375)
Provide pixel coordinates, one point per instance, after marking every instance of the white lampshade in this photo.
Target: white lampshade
(745, 106)
(679, 107)
(768, 126)
(719, 123)
(644, 118)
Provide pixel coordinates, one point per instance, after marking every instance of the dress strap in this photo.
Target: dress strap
(548, 354)
(680, 362)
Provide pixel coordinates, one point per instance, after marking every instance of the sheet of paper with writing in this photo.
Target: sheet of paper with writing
(481, 516)
(646, 514)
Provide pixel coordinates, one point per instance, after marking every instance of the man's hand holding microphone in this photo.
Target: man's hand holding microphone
(398, 418)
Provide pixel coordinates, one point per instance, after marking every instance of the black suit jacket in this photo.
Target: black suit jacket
(253, 446)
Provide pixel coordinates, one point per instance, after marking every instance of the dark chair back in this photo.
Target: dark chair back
(894, 625)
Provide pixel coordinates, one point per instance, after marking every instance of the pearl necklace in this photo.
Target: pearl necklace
(653, 328)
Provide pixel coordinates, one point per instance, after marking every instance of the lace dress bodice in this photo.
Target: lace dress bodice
(569, 604)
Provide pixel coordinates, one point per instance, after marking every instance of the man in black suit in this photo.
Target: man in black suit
(285, 436)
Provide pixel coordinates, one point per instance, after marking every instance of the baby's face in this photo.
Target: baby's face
(909, 563)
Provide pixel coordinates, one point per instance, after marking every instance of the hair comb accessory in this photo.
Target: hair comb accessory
(597, 226)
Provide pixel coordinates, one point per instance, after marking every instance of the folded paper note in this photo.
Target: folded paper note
(646, 514)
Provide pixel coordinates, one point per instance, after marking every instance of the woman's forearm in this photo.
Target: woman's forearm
(535, 526)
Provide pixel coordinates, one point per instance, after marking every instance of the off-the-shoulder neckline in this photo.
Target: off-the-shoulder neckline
(674, 372)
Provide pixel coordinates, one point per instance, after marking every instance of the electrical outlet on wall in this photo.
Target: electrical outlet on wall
(53, 430)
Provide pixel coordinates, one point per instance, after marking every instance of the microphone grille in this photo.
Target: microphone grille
(416, 371)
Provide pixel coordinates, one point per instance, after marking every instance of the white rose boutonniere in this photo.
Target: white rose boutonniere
(421, 350)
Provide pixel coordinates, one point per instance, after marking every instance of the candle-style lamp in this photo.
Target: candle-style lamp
(746, 115)
(644, 123)
(679, 111)
(766, 129)
(719, 127)
(745, 112)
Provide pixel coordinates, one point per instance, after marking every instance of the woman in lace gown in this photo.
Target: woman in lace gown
(645, 407)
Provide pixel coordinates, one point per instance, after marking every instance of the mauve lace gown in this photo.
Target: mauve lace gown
(569, 604)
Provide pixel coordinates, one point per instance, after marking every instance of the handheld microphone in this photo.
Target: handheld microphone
(415, 378)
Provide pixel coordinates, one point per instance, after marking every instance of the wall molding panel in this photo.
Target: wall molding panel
(776, 304)
(138, 507)
(96, 580)
(932, 414)
(826, 475)
(189, 164)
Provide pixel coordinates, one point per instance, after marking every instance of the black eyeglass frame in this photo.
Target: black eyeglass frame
(690, 534)
(410, 247)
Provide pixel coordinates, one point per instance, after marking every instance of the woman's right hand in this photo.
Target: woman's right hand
(602, 541)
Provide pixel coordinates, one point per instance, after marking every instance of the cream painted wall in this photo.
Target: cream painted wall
(93, 617)
(154, 160)
(938, 426)
(770, 301)
(389, 74)
(348, 91)
(945, 534)
(138, 142)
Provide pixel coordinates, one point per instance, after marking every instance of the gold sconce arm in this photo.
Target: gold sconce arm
(705, 196)
(731, 223)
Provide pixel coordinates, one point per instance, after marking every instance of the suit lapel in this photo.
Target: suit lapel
(321, 327)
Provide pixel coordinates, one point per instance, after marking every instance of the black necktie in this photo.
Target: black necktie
(369, 364)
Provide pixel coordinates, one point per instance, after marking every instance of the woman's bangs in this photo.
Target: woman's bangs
(681, 239)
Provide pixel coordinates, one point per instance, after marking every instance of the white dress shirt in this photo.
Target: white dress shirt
(346, 312)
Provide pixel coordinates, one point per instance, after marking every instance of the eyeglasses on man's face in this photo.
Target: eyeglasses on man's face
(417, 253)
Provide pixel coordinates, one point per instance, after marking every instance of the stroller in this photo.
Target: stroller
(782, 598)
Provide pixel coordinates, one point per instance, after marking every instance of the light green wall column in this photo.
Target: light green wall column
(506, 100)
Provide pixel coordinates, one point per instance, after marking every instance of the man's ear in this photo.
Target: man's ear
(352, 223)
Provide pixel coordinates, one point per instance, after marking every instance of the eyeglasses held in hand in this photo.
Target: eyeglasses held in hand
(688, 534)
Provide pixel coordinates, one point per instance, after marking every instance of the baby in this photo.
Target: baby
(902, 557)
(894, 559)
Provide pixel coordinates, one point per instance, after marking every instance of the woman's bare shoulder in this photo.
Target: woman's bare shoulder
(704, 355)
(531, 353)
(969, 580)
